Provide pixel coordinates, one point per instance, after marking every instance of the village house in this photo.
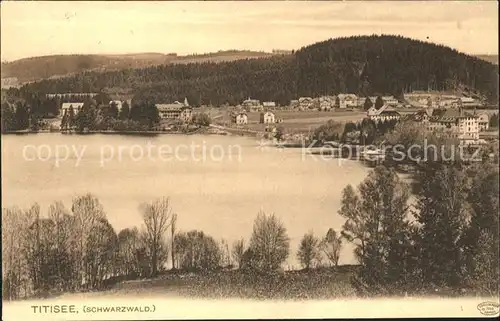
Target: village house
(469, 102)
(294, 103)
(326, 103)
(385, 113)
(420, 99)
(448, 103)
(239, 118)
(346, 101)
(267, 118)
(305, 103)
(9, 82)
(252, 105)
(269, 104)
(65, 108)
(390, 101)
(483, 122)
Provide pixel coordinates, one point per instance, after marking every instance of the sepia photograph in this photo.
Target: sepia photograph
(249, 159)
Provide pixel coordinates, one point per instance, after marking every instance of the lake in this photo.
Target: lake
(217, 184)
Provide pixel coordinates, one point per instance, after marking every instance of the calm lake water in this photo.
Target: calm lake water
(217, 184)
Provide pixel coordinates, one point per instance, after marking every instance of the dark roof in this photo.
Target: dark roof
(418, 116)
(390, 113)
(449, 115)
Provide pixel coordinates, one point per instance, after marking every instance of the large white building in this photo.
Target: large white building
(459, 124)
(176, 110)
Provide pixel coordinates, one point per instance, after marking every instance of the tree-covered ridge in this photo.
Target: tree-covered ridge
(390, 64)
(44, 67)
(364, 65)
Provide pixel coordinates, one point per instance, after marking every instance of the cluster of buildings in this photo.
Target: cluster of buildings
(416, 99)
(71, 95)
(254, 105)
(175, 110)
(460, 124)
(342, 101)
(240, 117)
(77, 106)
(457, 122)
(426, 99)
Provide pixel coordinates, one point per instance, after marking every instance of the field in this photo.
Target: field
(315, 284)
(325, 283)
(292, 120)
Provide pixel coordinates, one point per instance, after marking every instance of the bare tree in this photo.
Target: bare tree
(225, 254)
(63, 222)
(197, 251)
(101, 253)
(157, 217)
(88, 212)
(237, 251)
(308, 253)
(128, 244)
(331, 245)
(11, 248)
(269, 243)
(173, 226)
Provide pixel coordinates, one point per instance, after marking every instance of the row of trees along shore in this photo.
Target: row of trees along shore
(447, 238)
(95, 114)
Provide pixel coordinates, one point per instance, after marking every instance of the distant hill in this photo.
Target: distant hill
(45, 67)
(365, 65)
(490, 58)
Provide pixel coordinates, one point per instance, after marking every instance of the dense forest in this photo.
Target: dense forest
(38, 68)
(361, 64)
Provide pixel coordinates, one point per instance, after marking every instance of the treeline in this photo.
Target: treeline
(365, 65)
(448, 241)
(364, 132)
(78, 249)
(95, 114)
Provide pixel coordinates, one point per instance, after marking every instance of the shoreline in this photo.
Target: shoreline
(113, 132)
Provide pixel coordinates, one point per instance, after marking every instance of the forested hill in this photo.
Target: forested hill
(490, 58)
(363, 64)
(55, 66)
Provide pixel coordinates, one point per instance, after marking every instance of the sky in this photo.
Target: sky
(58, 27)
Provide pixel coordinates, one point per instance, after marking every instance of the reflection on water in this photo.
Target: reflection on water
(219, 195)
